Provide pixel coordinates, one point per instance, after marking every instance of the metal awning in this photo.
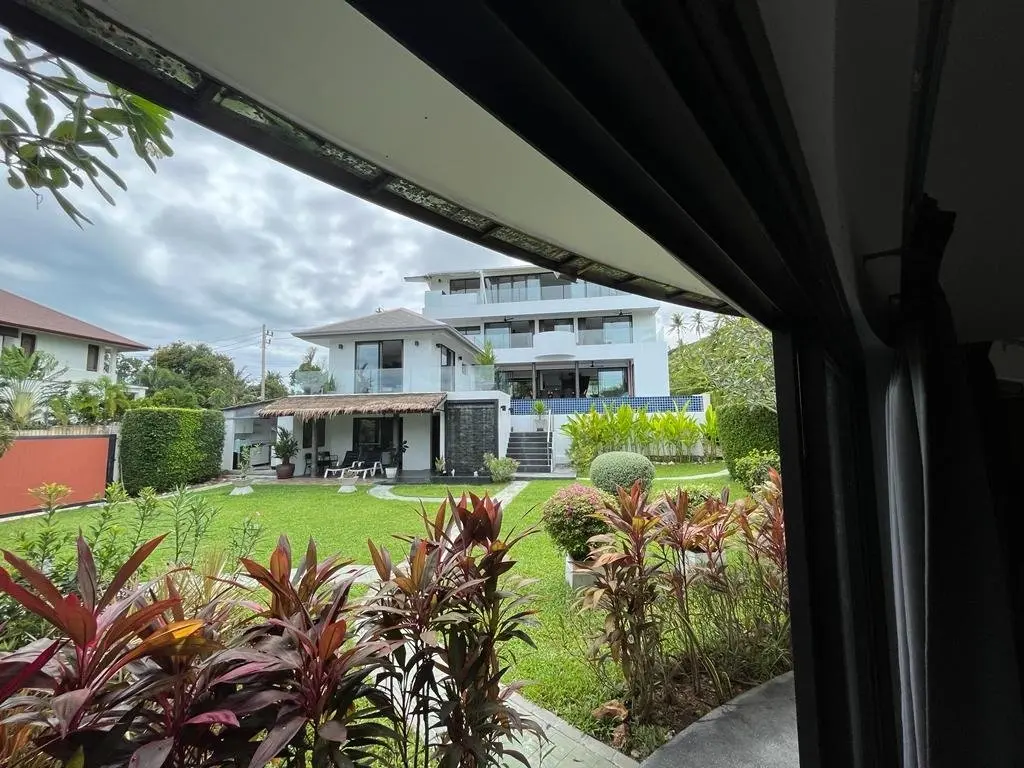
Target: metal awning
(320, 406)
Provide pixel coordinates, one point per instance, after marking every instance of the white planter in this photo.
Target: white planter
(391, 472)
(540, 423)
(242, 487)
(576, 576)
(697, 559)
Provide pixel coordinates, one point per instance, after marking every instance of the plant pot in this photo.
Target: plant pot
(576, 574)
(697, 559)
(243, 486)
(285, 471)
(391, 472)
(540, 422)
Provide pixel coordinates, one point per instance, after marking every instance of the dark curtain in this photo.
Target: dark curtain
(955, 581)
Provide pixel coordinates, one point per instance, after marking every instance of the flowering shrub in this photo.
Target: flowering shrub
(570, 517)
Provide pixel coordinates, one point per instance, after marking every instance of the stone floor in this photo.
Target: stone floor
(754, 730)
(565, 747)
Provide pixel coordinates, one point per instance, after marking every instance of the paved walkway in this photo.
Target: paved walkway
(719, 473)
(505, 495)
(566, 747)
(754, 730)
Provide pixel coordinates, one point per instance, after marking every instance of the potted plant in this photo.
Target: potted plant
(571, 521)
(391, 471)
(539, 413)
(243, 483)
(285, 447)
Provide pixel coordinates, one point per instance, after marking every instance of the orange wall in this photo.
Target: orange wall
(77, 462)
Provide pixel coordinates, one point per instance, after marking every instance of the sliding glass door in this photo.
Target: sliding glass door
(379, 366)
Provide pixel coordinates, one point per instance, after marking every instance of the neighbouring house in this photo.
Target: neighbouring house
(87, 350)
(398, 377)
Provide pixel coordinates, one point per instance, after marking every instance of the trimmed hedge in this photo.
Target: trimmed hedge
(165, 447)
(620, 469)
(742, 430)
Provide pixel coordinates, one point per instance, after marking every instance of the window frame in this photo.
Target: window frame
(92, 358)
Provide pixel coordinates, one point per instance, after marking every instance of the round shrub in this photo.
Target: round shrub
(569, 517)
(620, 469)
(752, 469)
(165, 447)
(742, 430)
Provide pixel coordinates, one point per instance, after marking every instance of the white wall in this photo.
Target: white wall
(73, 354)
(416, 431)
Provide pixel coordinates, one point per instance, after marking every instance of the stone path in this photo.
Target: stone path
(719, 473)
(505, 495)
(755, 730)
(566, 747)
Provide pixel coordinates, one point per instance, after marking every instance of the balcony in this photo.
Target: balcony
(454, 378)
(554, 344)
(374, 380)
(439, 300)
(605, 336)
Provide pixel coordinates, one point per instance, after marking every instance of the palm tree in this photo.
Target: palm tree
(676, 325)
(6, 438)
(699, 324)
(23, 402)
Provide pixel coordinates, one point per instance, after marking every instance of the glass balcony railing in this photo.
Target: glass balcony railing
(507, 341)
(374, 380)
(605, 336)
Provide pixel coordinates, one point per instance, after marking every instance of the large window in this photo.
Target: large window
(558, 383)
(615, 329)
(372, 436)
(513, 288)
(28, 343)
(557, 324)
(321, 433)
(604, 382)
(464, 285)
(92, 358)
(447, 369)
(379, 366)
(514, 334)
(553, 287)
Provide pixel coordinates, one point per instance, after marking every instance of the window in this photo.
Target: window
(520, 383)
(557, 324)
(604, 382)
(378, 366)
(560, 383)
(464, 285)
(372, 435)
(513, 288)
(447, 356)
(552, 287)
(514, 334)
(92, 358)
(28, 343)
(606, 330)
(321, 433)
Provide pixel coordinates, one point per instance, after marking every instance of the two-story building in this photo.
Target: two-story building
(423, 381)
(86, 350)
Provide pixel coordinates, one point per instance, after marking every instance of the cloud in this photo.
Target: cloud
(218, 242)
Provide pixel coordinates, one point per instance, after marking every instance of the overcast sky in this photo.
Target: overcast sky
(220, 240)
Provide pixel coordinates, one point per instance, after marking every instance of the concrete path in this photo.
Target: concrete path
(505, 495)
(566, 747)
(755, 730)
(719, 473)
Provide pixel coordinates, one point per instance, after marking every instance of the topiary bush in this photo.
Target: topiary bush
(742, 430)
(165, 447)
(569, 518)
(620, 469)
(752, 469)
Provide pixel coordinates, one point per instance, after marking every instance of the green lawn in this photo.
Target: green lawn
(736, 490)
(438, 490)
(687, 469)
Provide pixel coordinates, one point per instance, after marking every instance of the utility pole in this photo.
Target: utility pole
(265, 337)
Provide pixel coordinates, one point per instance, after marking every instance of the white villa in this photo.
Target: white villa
(401, 378)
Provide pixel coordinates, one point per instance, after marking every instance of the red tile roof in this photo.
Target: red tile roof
(22, 313)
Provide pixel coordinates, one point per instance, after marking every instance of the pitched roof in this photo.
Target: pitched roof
(19, 312)
(319, 406)
(400, 319)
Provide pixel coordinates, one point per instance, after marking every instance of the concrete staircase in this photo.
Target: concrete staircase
(532, 450)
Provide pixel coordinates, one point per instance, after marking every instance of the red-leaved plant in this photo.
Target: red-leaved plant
(448, 618)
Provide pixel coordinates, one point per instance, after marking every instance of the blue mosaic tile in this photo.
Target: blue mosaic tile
(653, 404)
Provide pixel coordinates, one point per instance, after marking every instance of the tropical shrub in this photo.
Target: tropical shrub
(199, 669)
(6, 438)
(571, 518)
(691, 590)
(165, 447)
(743, 430)
(502, 470)
(752, 470)
(621, 469)
(709, 434)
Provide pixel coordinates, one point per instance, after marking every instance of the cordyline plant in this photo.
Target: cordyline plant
(448, 613)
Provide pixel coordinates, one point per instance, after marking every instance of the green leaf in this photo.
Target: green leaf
(59, 178)
(43, 116)
(64, 131)
(14, 46)
(14, 180)
(70, 210)
(17, 118)
(28, 152)
(110, 173)
(110, 115)
(6, 126)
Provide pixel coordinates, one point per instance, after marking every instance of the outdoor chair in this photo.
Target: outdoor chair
(339, 468)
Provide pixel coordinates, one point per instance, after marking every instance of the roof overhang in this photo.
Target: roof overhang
(321, 406)
(328, 92)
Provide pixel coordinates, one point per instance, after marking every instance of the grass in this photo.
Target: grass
(688, 468)
(736, 490)
(438, 490)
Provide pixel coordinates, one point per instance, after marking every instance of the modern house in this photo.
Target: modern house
(554, 336)
(398, 377)
(86, 350)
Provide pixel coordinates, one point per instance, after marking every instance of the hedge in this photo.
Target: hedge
(742, 430)
(165, 447)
